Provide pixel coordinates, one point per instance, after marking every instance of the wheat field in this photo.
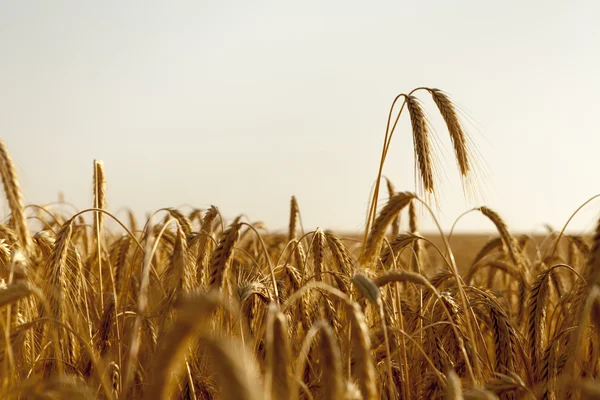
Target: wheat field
(189, 305)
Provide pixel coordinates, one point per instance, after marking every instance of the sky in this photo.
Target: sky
(243, 104)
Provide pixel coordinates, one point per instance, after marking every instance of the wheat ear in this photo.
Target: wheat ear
(374, 242)
(422, 147)
(14, 196)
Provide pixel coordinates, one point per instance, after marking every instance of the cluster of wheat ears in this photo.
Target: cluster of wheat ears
(191, 306)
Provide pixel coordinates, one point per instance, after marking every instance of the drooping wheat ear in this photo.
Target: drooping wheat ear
(403, 276)
(14, 292)
(423, 151)
(318, 245)
(367, 288)
(396, 222)
(455, 128)
(398, 243)
(195, 214)
(512, 245)
(219, 262)
(374, 242)
(205, 243)
(45, 241)
(491, 246)
(14, 196)
(279, 371)
(183, 221)
(332, 382)
(340, 253)
(536, 304)
(504, 266)
(293, 218)
(363, 371)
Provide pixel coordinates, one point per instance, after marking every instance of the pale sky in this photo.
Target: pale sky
(243, 104)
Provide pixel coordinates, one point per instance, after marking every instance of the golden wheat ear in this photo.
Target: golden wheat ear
(461, 142)
(99, 203)
(294, 210)
(363, 370)
(14, 197)
(422, 145)
(425, 160)
(374, 242)
(219, 263)
(509, 241)
(317, 248)
(278, 369)
(205, 244)
(331, 358)
(99, 193)
(458, 135)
